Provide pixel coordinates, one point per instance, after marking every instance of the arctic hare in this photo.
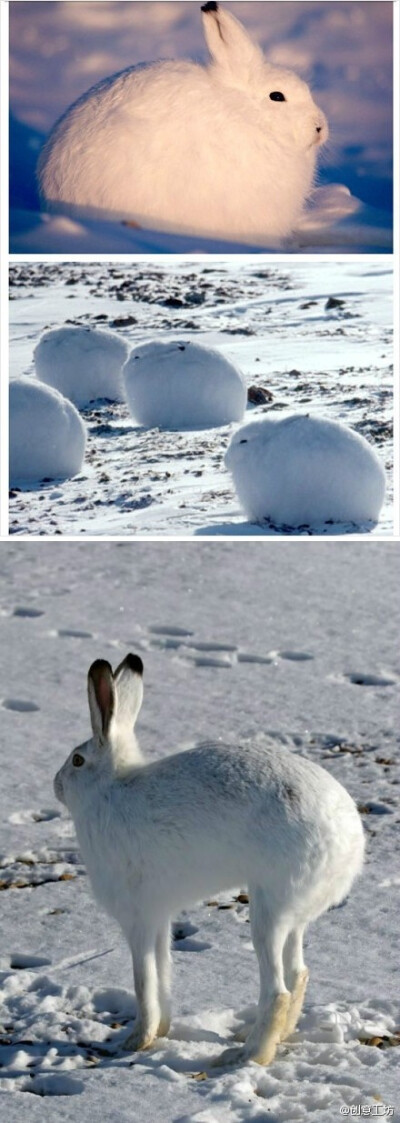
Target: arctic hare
(158, 836)
(228, 149)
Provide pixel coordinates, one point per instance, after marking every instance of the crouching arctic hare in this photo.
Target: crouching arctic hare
(156, 837)
(227, 149)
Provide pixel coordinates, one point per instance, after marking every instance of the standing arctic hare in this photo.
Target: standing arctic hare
(158, 836)
(228, 149)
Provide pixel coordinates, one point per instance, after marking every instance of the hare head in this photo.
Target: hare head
(288, 109)
(114, 703)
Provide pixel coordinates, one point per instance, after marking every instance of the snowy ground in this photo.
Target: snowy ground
(344, 51)
(271, 319)
(294, 640)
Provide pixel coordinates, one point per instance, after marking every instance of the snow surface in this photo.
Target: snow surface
(83, 363)
(47, 435)
(183, 385)
(308, 336)
(294, 641)
(301, 470)
(343, 50)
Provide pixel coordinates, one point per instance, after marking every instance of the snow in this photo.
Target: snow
(301, 470)
(183, 385)
(343, 51)
(313, 337)
(309, 634)
(47, 435)
(83, 363)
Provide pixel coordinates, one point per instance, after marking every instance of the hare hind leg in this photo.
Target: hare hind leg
(269, 934)
(296, 975)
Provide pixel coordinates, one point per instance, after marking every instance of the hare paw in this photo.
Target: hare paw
(138, 1040)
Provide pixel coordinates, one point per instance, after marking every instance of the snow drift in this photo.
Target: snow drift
(83, 363)
(305, 470)
(181, 385)
(47, 436)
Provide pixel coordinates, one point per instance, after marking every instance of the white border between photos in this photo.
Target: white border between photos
(6, 260)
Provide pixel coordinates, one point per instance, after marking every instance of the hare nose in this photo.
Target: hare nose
(319, 128)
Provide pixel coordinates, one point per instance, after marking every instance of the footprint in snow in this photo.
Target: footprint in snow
(360, 679)
(21, 962)
(295, 656)
(28, 612)
(19, 705)
(74, 633)
(60, 1085)
(43, 815)
(168, 630)
(208, 661)
(183, 932)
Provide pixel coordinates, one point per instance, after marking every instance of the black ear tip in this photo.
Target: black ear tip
(99, 667)
(135, 664)
(211, 6)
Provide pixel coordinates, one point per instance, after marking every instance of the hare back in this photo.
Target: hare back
(164, 144)
(217, 816)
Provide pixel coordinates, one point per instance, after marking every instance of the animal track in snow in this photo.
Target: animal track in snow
(19, 705)
(45, 1085)
(21, 962)
(183, 933)
(361, 679)
(209, 661)
(168, 630)
(27, 612)
(295, 656)
(42, 815)
(74, 633)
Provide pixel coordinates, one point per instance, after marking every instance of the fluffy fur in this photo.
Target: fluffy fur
(158, 836)
(301, 469)
(192, 148)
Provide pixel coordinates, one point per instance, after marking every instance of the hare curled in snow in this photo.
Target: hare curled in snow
(156, 837)
(228, 149)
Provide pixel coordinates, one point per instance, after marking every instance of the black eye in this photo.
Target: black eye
(78, 760)
(244, 442)
(277, 96)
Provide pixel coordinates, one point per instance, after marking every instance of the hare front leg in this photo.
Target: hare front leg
(163, 958)
(146, 988)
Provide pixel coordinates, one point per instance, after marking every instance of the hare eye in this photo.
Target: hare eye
(277, 96)
(78, 760)
(244, 442)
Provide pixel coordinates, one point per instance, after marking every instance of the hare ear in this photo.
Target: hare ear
(129, 690)
(102, 697)
(229, 44)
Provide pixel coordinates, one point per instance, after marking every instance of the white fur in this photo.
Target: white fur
(192, 148)
(183, 385)
(156, 837)
(47, 435)
(305, 470)
(84, 363)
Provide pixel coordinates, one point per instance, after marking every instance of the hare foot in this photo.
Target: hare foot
(163, 1027)
(296, 1002)
(139, 1040)
(261, 1046)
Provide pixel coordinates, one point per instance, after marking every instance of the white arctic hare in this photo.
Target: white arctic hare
(227, 149)
(158, 836)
